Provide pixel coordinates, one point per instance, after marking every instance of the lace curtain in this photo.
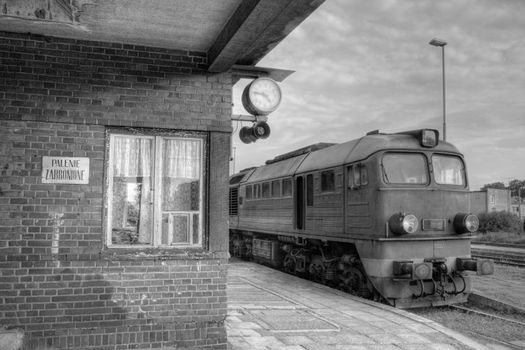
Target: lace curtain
(132, 210)
(182, 158)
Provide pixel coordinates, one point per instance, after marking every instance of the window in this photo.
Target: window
(257, 191)
(276, 188)
(357, 176)
(351, 177)
(287, 187)
(360, 175)
(248, 192)
(266, 190)
(327, 181)
(310, 190)
(405, 168)
(448, 170)
(155, 190)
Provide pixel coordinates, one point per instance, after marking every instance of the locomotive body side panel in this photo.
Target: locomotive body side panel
(266, 214)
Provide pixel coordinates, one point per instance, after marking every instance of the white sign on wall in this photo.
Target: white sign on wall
(65, 170)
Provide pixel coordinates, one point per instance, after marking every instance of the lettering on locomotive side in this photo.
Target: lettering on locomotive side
(66, 170)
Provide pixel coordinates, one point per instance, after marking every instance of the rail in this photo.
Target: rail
(506, 254)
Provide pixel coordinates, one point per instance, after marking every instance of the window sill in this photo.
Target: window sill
(162, 254)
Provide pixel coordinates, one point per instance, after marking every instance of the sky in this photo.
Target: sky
(367, 65)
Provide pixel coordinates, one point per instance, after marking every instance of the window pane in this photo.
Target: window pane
(287, 187)
(310, 190)
(351, 177)
(181, 174)
(327, 181)
(249, 192)
(405, 168)
(364, 175)
(181, 189)
(276, 188)
(131, 211)
(266, 190)
(175, 228)
(448, 170)
(357, 175)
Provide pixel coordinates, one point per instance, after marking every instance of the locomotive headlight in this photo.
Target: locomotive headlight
(429, 138)
(465, 223)
(402, 223)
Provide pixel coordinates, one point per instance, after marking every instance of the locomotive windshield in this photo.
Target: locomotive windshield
(405, 168)
(448, 170)
(412, 168)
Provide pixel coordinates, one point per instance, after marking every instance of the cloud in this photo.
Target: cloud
(365, 65)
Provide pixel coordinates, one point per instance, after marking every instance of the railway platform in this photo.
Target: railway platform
(268, 309)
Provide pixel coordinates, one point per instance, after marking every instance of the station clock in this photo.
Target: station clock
(261, 97)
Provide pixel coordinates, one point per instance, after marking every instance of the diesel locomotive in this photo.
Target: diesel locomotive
(385, 217)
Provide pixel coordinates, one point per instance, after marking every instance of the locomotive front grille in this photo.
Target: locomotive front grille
(234, 201)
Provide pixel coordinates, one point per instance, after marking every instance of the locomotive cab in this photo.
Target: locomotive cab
(423, 223)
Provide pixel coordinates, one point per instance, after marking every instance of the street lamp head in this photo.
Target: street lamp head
(437, 42)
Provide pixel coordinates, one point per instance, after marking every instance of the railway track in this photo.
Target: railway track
(518, 322)
(479, 321)
(507, 254)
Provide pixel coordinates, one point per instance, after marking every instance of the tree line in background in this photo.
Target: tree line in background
(513, 186)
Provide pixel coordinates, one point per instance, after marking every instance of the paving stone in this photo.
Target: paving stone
(296, 339)
(413, 338)
(385, 338)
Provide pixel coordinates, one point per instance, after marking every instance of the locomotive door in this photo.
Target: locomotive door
(299, 203)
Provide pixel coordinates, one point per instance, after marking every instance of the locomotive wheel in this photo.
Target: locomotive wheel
(317, 273)
(355, 282)
(237, 250)
(289, 264)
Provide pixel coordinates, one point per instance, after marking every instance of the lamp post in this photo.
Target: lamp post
(519, 203)
(441, 43)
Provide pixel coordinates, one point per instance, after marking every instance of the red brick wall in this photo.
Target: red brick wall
(57, 97)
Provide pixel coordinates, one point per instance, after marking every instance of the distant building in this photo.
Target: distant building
(493, 199)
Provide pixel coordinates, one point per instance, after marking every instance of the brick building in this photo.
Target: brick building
(114, 154)
(493, 199)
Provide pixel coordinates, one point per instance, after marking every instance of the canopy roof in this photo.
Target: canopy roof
(231, 32)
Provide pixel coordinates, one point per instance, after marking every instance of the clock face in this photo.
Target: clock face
(262, 96)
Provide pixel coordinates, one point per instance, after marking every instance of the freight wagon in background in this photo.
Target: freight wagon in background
(385, 216)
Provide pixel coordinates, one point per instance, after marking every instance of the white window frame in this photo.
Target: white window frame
(157, 194)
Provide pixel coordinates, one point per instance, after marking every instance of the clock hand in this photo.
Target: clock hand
(265, 95)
